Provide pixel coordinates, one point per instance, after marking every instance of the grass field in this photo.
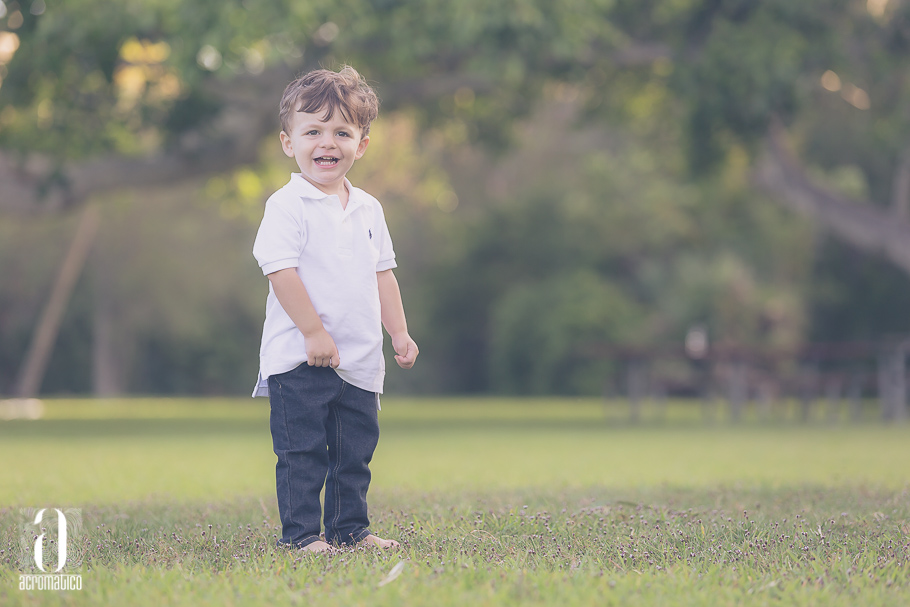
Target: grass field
(496, 502)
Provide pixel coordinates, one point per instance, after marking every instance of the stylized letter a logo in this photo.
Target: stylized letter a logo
(61, 541)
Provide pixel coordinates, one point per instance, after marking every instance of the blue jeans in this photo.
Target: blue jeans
(324, 432)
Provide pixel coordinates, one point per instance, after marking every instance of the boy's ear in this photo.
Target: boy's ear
(362, 146)
(286, 144)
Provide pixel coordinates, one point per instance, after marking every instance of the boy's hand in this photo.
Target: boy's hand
(405, 350)
(321, 350)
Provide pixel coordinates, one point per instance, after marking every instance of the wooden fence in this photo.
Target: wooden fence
(847, 373)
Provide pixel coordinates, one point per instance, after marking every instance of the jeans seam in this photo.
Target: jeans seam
(287, 444)
(336, 484)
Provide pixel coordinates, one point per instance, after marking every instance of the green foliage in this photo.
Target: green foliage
(731, 65)
(855, 298)
(749, 69)
(94, 76)
(543, 333)
(97, 76)
(612, 248)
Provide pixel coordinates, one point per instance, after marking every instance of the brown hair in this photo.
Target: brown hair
(345, 91)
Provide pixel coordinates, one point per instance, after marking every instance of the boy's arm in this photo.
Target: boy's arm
(321, 350)
(394, 320)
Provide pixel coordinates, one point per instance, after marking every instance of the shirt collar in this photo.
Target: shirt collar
(307, 190)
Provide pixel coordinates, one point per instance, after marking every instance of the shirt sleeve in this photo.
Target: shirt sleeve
(282, 235)
(386, 251)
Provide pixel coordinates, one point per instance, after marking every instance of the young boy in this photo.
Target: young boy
(325, 248)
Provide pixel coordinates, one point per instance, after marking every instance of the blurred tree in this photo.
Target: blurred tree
(99, 97)
(96, 97)
(133, 95)
(854, 297)
(510, 310)
(158, 91)
(539, 332)
(818, 83)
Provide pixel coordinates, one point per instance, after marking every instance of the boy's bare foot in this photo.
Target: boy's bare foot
(372, 540)
(318, 546)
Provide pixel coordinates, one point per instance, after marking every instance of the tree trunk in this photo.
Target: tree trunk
(900, 190)
(738, 389)
(637, 387)
(107, 368)
(39, 352)
(892, 382)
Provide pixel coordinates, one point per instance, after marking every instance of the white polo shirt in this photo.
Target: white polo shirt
(337, 253)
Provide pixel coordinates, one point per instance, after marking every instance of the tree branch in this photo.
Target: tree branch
(231, 139)
(248, 114)
(861, 224)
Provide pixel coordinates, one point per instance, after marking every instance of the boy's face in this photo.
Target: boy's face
(324, 150)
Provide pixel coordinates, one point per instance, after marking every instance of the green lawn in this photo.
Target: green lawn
(495, 501)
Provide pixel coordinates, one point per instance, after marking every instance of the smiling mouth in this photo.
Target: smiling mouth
(326, 161)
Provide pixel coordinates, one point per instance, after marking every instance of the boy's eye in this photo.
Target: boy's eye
(343, 133)
(313, 132)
